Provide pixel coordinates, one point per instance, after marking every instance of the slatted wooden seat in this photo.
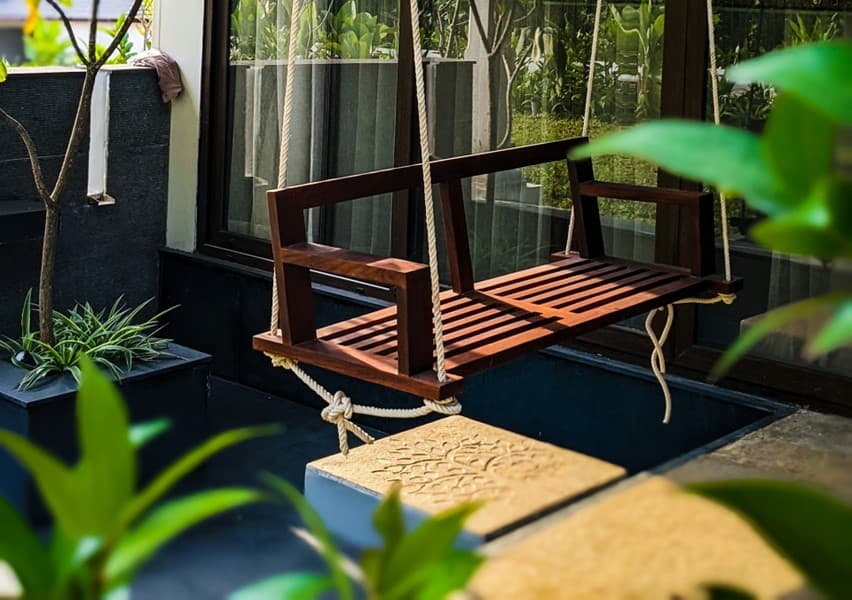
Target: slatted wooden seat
(485, 323)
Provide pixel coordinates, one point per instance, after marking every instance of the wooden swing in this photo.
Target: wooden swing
(427, 348)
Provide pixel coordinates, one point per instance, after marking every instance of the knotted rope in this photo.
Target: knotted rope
(340, 409)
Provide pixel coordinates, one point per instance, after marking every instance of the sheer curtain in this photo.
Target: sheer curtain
(343, 118)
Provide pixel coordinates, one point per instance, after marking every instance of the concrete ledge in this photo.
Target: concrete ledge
(448, 462)
(651, 540)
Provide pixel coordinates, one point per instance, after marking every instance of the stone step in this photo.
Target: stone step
(651, 540)
(448, 462)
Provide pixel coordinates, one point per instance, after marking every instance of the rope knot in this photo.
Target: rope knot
(450, 406)
(728, 298)
(338, 410)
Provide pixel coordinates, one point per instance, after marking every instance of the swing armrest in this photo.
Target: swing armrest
(410, 281)
(642, 193)
(393, 272)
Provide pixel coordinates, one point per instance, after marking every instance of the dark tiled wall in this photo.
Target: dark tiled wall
(105, 251)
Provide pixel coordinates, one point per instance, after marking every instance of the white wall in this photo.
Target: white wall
(179, 31)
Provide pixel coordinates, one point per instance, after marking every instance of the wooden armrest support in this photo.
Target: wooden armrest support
(641, 193)
(410, 280)
(394, 272)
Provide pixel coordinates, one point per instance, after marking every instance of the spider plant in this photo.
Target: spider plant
(111, 338)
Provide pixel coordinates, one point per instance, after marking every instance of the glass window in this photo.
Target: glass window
(746, 29)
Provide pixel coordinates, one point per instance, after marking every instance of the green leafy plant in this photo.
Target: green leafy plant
(809, 528)
(104, 528)
(124, 51)
(420, 564)
(47, 45)
(790, 173)
(110, 337)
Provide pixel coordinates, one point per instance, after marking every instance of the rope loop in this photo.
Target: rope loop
(450, 406)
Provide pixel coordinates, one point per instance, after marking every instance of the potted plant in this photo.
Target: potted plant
(39, 365)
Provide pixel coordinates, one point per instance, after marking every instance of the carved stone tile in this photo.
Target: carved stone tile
(651, 540)
(456, 459)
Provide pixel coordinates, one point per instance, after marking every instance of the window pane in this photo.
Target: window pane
(746, 29)
(343, 112)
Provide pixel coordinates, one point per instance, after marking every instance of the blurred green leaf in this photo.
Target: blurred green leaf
(388, 520)
(166, 523)
(835, 334)
(816, 73)
(810, 528)
(811, 229)
(56, 483)
(185, 465)
(293, 586)
(22, 549)
(4, 70)
(450, 574)
(798, 143)
(143, 433)
(730, 159)
(314, 523)
(107, 466)
(773, 321)
(410, 565)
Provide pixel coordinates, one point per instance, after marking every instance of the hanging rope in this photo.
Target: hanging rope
(340, 409)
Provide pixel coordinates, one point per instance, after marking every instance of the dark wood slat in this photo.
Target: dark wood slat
(455, 231)
(642, 193)
(603, 294)
(559, 274)
(360, 365)
(570, 284)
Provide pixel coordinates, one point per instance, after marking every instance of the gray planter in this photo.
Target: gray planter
(174, 388)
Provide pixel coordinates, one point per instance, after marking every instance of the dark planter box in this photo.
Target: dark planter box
(175, 388)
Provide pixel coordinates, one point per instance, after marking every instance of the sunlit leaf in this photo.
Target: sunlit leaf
(314, 523)
(730, 159)
(33, 16)
(798, 143)
(811, 529)
(771, 322)
(185, 465)
(816, 73)
(292, 586)
(409, 566)
(837, 333)
(22, 549)
(388, 520)
(4, 70)
(108, 458)
(166, 523)
(143, 433)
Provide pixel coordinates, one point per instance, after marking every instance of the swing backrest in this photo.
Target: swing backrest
(295, 257)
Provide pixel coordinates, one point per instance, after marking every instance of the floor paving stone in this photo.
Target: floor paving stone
(455, 460)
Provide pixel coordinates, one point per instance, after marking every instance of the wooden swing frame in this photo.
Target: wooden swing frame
(485, 323)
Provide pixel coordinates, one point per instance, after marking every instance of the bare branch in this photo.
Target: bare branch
(122, 31)
(503, 35)
(93, 32)
(70, 29)
(474, 10)
(32, 152)
(77, 130)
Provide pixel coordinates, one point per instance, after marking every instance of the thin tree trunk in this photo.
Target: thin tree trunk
(48, 268)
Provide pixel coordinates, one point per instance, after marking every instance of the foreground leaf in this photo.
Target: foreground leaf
(811, 529)
(730, 159)
(410, 565)
(315, 525)
(22, 549)
(143, 433)
(293, 586)
(166, 480)
(773, 321)
(166, 523)
(107, 466)
(837, 333)
(816, 73)
(450, 574)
